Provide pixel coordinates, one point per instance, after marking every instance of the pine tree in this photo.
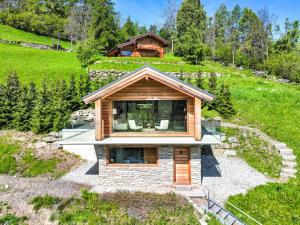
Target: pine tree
(3, 121)
(199, 81)
(105, 25)
(130, 28)
(190, 25)
(42, 117)
(12, 96)
(84, 87)
(212, 83)
(72, 97)
(22, 115)
(60, 106)
(224, 104)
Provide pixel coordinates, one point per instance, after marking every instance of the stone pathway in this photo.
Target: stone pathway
(289, 165)
(224, 176)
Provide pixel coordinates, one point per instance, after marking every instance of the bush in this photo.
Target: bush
(46, 201)
(285, 66)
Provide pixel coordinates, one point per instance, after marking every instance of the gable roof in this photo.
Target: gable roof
(135, 38)
(149, 72)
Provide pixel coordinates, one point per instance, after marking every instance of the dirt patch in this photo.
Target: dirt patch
(20, 191)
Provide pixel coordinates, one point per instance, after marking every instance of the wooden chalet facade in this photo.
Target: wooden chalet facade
(147, 130)
(146, 45)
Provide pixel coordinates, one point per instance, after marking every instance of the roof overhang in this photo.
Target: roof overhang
(147, 72)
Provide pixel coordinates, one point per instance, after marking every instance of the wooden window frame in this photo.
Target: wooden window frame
(186, 133)
(131, 165)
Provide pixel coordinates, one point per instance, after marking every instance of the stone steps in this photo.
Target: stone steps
(288, 164)
(289, 170)
(286, 151)
(288, 157)
(287, 175)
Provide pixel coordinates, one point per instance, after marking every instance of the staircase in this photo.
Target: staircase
(224, 216)
(288, 168)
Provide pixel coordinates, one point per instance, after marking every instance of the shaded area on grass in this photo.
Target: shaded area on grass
(120, 208)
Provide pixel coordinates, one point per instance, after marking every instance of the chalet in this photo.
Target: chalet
(146, 45)
(147, 132)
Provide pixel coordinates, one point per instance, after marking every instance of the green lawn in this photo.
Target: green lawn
(36, 65)
(13, 34)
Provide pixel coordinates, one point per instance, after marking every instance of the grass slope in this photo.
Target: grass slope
(36, 65)
(13, 34)
(275, 109)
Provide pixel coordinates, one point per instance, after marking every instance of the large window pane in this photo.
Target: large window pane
(132, 155)
(150, 116)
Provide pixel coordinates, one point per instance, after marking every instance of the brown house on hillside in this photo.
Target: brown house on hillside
(146, 45)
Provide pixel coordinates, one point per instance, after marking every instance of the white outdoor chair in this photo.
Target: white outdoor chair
(164, 125)
(133, 126)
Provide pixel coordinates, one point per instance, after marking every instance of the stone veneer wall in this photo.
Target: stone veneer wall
(160, 176)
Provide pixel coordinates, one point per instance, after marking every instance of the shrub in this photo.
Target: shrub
(11, 219)
(285, 66)
(46, 201)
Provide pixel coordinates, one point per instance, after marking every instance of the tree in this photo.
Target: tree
(234, 30)
(221, 24)
(60, 105)
(212, 83)
(130, 28)
(168, 31)
(199, 81)
(268, 21)
(23, 113)
(223, 103)
(3, 121)
(288, 42)
(78, 21)
(104, 30)
(42, 117)
(143, 30)
(72, 96)
(253, 37)
(84, 87)
(12, 95)
(153, 29)
(190, 25)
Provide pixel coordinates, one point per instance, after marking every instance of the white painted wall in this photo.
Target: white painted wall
(84, 151)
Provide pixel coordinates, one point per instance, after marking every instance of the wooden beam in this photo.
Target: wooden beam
(197, 115)
(98, 120)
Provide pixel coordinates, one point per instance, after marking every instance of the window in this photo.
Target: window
(150, 116)
(132, 155)
(126, 53)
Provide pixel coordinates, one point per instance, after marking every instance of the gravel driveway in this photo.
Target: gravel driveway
(22, 190)
(227, 175)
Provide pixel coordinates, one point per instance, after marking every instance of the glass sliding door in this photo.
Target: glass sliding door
(150, 116)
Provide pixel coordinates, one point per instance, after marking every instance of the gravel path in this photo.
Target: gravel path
(22, 190)
(225, 176)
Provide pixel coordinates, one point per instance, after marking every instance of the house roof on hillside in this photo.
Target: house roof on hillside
(135, 38)
(147, 72)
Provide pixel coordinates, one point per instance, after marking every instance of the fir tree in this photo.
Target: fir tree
(23, 112)
(224, 104)
(41, 121)
(3, 121)
(12, 95)
(84, 87)
(72, 95)
(191, 25)
(60, 106)
(212, 83)
(130, 28)
(199, 81)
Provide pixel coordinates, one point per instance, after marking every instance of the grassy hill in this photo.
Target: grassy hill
(12, 34)
(35, 65)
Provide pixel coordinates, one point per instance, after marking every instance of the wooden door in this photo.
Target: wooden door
(182, 165)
